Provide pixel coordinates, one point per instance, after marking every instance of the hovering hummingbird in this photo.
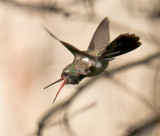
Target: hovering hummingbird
(96, 58)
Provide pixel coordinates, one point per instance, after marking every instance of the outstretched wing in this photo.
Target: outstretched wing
(70, 47)
(101, 36)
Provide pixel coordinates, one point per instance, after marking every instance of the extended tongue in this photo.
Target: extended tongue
(59, 90)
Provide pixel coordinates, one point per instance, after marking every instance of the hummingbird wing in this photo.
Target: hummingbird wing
(101, 36)
(70, 47)
(124, 43)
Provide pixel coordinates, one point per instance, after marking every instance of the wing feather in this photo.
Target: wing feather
(101, 36)
(70, 47)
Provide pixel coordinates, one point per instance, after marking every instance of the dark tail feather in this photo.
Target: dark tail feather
(124, 43)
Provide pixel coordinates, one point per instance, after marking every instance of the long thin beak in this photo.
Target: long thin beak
(54, 83)
(59, 90)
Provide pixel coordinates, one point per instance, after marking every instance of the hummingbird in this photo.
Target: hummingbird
(95, 59)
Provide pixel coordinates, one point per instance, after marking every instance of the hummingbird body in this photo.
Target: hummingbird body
(96, 58)
(83, 66)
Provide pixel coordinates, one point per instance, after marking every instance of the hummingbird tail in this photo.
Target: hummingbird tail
(124, 43)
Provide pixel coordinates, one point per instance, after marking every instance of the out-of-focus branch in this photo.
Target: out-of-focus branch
(54, 8)
(156, 85)
(42, 7)
(146, 60)
(62, 105)
(143, 126)
(50, 113)
(73, 115)
(66, 118)
(51, 7)
(67, 125)
(137, 95)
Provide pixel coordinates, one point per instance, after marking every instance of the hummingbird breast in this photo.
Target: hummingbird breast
(81, 67)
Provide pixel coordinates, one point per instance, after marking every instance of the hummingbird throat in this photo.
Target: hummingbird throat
(59, 88)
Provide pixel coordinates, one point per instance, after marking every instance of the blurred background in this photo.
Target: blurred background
(124, 102)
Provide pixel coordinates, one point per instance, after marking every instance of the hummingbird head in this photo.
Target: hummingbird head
(71, 74)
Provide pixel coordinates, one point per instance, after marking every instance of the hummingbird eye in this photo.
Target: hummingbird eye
(65, 73)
